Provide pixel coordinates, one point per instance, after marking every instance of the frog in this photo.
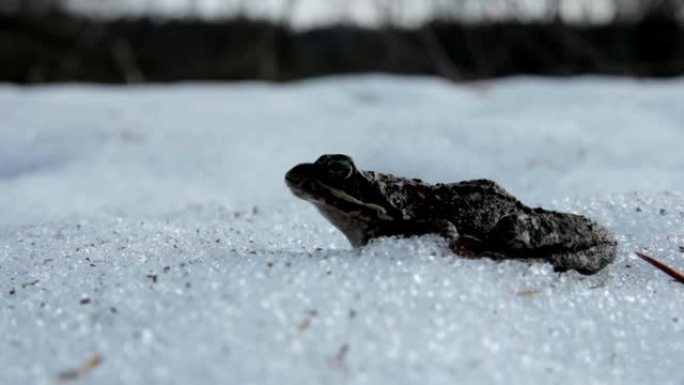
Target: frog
(478, 218)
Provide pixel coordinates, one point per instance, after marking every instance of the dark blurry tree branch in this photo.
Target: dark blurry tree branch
(269, 66)
(287, 12)
(444, 66)
(449, 9)
(126, 61)
(388, 12)
(554, 9)
(195, 9)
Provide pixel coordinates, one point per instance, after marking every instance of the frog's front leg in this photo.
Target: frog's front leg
(418, 227)
(472, 247)
(463, 245)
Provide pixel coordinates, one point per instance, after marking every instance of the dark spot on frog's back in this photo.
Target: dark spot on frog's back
(474, 197)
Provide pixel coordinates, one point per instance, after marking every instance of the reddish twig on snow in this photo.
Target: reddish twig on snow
(663, 267)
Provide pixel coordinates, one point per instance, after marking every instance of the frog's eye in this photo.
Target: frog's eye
(340, 169)
(338, 166)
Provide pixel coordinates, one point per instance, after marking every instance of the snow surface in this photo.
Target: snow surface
(146, 234)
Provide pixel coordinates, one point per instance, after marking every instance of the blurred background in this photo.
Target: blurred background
(133, 41)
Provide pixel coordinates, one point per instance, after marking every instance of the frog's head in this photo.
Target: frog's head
(344, 195)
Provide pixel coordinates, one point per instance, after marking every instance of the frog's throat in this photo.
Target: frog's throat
(361, 211)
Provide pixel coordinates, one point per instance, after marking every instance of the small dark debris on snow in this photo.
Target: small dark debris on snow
(152, 277)
(269, 264)
(352, 313)
(166, 269)
(12, 291)
(337, 361)
(306, 321)
(598, 286)
(255, 210)
(663, 212)
(88, 366)
(218, 241)
(304, 324)
(638, 209)
(528, 293)
(69, 375)
(681, 249)
(84, 301)
(27, 284)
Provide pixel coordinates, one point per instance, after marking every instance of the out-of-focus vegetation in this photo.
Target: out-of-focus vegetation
(42, 42)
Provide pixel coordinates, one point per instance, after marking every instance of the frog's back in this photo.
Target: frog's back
(476, 206)
(473, 206)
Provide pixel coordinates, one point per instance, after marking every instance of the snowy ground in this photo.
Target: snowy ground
(146, 234)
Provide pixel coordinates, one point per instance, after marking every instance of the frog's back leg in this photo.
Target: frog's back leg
(586, 261)
(567, 241)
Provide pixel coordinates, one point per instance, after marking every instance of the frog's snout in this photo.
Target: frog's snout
(297, 174)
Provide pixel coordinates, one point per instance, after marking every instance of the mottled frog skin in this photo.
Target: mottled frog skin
(477, 217)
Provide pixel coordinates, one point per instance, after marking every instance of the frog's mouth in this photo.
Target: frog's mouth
(305, 184)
